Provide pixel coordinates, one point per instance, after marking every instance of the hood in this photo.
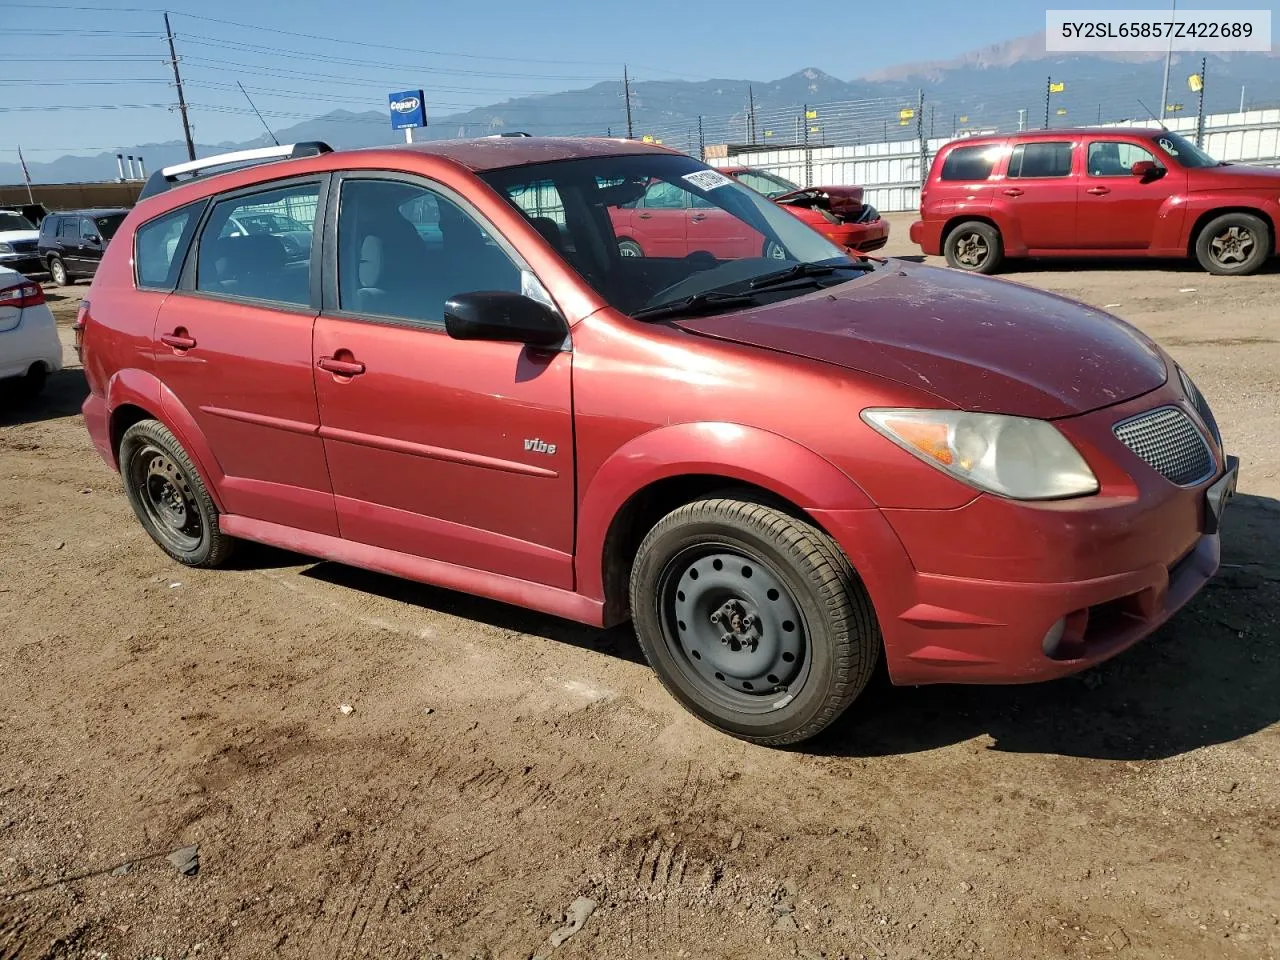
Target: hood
(1233, 176)
(977, 343)
(10, 236)
(843, 202)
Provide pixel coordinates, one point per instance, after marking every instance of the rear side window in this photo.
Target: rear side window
(68, 229)
(259, 246)
(159, 245)
(970, 163)
(1040, 160)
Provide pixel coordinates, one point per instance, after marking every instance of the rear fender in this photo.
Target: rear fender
(735, 452)
(141, 389)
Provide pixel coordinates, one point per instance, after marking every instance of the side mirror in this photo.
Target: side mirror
(1146, 170)
(93, 238)
(501, 316)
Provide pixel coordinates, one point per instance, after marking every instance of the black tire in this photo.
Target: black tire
(629, 248)
(817, 637)
(974, 246)
(33, 383)
(58, 272)
(1234, 244)
(169, 496)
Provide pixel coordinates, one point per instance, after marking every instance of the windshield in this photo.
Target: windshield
(654, 229)
(14, 221)
(1184, 151)
(770, 184)
(107, 226)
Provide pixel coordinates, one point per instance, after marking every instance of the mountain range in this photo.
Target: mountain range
(986, 88)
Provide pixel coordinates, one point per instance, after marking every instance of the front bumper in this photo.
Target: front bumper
(24, 263)
(864, 237)
(1004, 592)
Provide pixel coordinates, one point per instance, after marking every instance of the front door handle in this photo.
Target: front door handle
(698, 217)
(1013, 192)
(179, 339)
(644, 216)
(1099, 191)
(343, 368)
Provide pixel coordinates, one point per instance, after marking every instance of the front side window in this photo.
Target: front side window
(1040, 161)
(1115, 158)
(663, 196)
(88, 230)
(157, 245)
(271, 261)
(403, 250)
(970, 163)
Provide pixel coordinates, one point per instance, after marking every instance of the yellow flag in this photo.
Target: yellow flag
(811, 114)
(964, 119)
(906, 114)
(1195, 83)
(647, 139)
(1062, 111)
(1057, 87)
(768, 133)
(1173, 108)
(814, 129)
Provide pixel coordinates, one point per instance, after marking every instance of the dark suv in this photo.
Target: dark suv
(72, 242)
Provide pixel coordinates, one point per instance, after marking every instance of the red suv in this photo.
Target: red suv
(1099, 192)
(781, 469)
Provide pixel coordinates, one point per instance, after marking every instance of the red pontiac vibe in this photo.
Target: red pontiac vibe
(780, 468)
(1105, 192)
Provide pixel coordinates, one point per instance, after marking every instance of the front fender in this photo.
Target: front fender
(733, 451)
(141, 389)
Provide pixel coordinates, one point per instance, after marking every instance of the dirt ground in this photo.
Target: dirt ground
(498, 764)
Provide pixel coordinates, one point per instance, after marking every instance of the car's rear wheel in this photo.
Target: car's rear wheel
(32, 383)
(629, 248)
(169, 497)
(974, 246)
(1233, 244)
(752, 619)
(58, 272)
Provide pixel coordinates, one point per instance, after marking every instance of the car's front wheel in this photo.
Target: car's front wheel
(1233, 244)
(753, 619)
(58, 272)
(974, 246)
(629, 248)
(169, 497)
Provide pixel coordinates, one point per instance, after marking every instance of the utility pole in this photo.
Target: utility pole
(751, 115)
(1048, 89)
(626, 92)
(1204, 63)
(702, 141)
(182, 101)
(1168, 57)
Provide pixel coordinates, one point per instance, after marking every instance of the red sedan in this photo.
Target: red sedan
(837, 212)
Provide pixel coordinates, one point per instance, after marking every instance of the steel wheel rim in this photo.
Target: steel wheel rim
(1232, 246)
(167, 498)
(972, 250)
(738, 637)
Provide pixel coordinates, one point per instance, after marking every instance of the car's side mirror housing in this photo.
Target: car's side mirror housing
(93, 238)
(1146, 170)
(502, 316)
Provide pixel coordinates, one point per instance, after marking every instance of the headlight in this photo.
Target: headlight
(1010, 456)
(5, 248)
(1200, 403)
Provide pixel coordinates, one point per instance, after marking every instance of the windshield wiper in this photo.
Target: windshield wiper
(697, 303)
(804, 270)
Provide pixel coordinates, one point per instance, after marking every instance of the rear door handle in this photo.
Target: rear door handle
(343, 368)
(179, 340)
(1013, 192)
(1099, 191)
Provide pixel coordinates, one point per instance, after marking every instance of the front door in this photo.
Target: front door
(1040, 193)
(1118, 211)
(92, 243)
(234, 346)
(458, 451)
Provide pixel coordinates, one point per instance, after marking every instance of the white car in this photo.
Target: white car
(18, 243)
(29, 344)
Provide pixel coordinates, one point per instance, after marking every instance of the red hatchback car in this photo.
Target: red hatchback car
(781, 469)
(839, 213)
(1096, 192)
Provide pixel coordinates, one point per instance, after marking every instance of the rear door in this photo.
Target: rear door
(67, 243)
(1040, 193)
(720, 233)
(1118, 211)
(92, 243)
(234, 346)
(458, 451)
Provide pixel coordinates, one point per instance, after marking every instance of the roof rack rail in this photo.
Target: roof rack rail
(168, 177)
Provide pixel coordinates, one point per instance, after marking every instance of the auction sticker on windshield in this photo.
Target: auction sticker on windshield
(707, 179)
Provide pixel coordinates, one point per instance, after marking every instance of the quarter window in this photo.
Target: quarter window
(970, 163)
(259, 246)
(1115, 158)
(403, 250)
(1039, 161)
(158, 245)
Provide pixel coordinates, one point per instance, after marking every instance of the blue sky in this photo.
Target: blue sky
(69, 61)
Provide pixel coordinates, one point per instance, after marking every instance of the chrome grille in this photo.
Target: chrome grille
(1170, 443)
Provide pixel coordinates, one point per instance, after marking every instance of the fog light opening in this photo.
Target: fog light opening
(1054, 637)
